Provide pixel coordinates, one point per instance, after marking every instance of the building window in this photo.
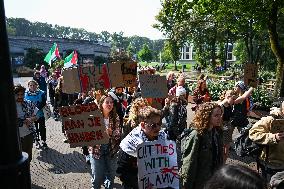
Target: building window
(230, 52)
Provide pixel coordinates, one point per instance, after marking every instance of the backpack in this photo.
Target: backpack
(244, 146)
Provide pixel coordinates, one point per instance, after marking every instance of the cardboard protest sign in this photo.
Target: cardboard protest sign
(83, 125)
(93, 76)
(277, 126)
(157, 165)
(147, 71)
(157, 103)
(115, 75)
(153, 86)
(71, 82)
(250, 75)
(129, 73)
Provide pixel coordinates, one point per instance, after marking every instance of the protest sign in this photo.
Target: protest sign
(115, 75)
(250, 75)
(147, 71)
(153, 86)
(71, 82)
(129, 73)
(277, 126)
(157, 165)
(83, 125)
(93, 76)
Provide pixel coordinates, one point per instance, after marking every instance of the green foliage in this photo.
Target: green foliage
(265, 75)
(166, 54)
(34, 56)
(216, 88)
(145, 54)
(57, 63)
(262, 97)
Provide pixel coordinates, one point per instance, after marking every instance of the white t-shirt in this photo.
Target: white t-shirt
(106, 121)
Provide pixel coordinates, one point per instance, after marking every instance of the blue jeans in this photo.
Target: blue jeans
(103, 169)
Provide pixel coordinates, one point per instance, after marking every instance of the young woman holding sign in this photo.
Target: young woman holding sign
(103, 157)
(202, 148)
(149, 129)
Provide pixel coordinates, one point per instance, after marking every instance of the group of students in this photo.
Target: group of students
(203, 147)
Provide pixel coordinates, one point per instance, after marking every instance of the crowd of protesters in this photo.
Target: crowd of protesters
(203, 146)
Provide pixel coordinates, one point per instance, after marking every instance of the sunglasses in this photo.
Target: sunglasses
(154, 125)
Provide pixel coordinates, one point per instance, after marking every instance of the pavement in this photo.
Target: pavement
(62, 167)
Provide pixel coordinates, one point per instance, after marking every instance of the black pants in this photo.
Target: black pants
(41, 129)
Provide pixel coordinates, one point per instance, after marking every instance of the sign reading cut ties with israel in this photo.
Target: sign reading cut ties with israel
(157, 165)
(153, 86)
(83, 125)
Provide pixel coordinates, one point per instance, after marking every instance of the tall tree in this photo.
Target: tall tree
(145, 54)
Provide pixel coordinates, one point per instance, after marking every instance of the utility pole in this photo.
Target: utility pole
(14, 165)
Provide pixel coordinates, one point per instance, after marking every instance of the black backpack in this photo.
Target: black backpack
(244, 146)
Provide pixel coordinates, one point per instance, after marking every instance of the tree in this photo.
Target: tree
(105, 36)
(171, 21)
(130, 50)
(34, 56)
(248, 21)
(145, 54)
(166, 53)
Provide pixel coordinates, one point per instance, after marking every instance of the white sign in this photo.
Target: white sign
(157, 165)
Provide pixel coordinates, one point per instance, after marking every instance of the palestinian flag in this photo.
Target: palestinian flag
(52, 54)
(71, 60)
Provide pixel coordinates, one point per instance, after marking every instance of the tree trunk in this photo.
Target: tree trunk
(276, 48)
(175, 65)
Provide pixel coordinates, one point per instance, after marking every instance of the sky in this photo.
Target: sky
(133, 17)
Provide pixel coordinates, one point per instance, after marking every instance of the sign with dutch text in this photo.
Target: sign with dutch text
(157, 165)
(83, 125)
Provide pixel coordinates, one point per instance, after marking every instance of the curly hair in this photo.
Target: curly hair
(202, 116)
(135, 106)
(112, 114)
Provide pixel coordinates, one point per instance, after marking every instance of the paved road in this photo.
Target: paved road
(62, 167)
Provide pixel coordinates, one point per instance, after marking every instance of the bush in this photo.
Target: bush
(260, 95)
(265, 75)
(262, 98)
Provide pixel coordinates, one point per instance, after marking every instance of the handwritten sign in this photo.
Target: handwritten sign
(115, 75)
(147, 71)
(129, 73)
(277, 126)
(94, 76)
(71, 80)
(157, 165)
(153, 86)
(250, 75)
(83, 125)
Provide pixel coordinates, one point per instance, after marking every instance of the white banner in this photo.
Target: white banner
(157, 165)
